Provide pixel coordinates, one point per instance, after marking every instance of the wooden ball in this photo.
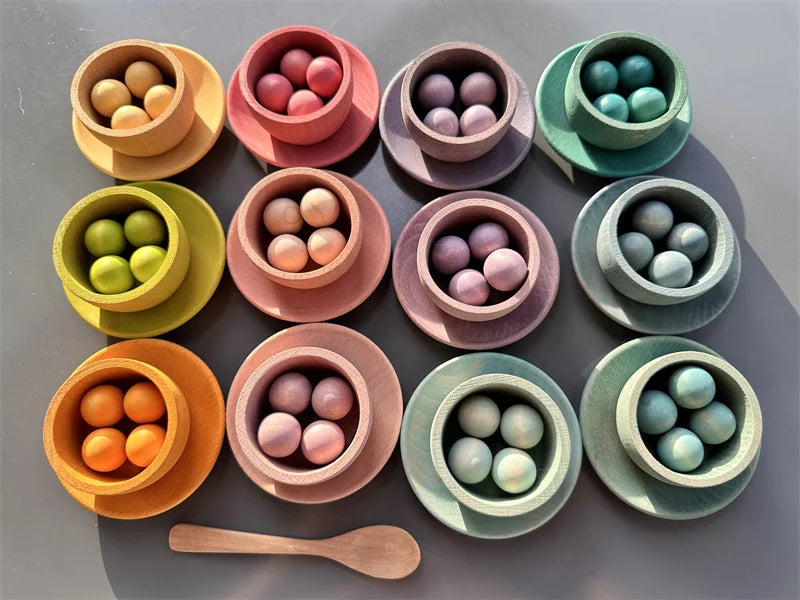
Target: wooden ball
(478, 88)
(103, 449)
(449, 254)
(443, 121)
(279, 434)
(143, 403)
(129, 117)
(320, 207)
(322, 443)
(273, 92)
(290, 393)
(325, 244)
(436, 90)
(486, 238)
(505, 269)
(144, 443)
(157, 99)
(476, 119)
(282, 215)
(101, 406)
(108, 95)
(294, 65)
(140, 76)
(324, 76)
(332, 398)
(303, 102)
(288, 253)
(470, 287)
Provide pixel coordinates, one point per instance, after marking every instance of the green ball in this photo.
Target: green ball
(598, 78)
(145, 228)
(691, 387)
(715, 423)
(656, 413)
(146, 261)
(646, 104)
(613, 106)
(104, 237)
(635, 72)
(680, 450)
(111, 275)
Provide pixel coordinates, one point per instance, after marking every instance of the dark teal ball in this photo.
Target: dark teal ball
(635, 72)
(613, 106)
(646, 104)
(598, 78)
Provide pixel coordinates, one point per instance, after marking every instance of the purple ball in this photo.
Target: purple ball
(436, 90)
(279, 434)
(443, 121)
(505, 269)
(478, 88)
(486, 238)
(477, 118)
(469, 286)
(449, 254)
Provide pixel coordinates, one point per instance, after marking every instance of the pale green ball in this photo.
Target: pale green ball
(656, 413)
(469, 460)
(146, 261)
(691, 387)
(715, 423)
(478, 416)
(111, 275)
(513, 470)
(680, 450)
(521, 426)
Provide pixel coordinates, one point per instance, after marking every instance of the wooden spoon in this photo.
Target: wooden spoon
(382, 551)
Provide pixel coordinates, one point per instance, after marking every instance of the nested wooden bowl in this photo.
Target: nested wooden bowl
(72, 260)
(109, 62)
(293, 183)
(65, 429)
(551, 454)
(688, 203)
(264, 57)
(458, 59)
(722, 462)
(253, 405)
(459, 218)
(603, 131)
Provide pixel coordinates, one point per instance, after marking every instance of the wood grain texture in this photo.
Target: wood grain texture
(385, 395)
(382, 551)
(480, 172)
(209, 106)
(565, 142)
(607, 455)
(646, 318)
(207, 248)
(472, 335)
(332, 300)
(206, 415)
(692, 204)
(415, 446)
(347, 139)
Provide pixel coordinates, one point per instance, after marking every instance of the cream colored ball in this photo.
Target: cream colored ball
(129, 117)
(325, 244)
(108, 95)
(282, 215)
(140, 76)
(320, 207)
(157, 99)
(288, 253)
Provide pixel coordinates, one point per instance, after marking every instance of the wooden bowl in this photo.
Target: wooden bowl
(551, 454)
(605, 132)
(688, 203)
(109, 62)
(459, 218)
(65, 430)
(252, 406)
(722, 462)
(293, 183)
(264, 57)
(72, 259)
(459, 59)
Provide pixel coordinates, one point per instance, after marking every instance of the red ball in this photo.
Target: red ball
(303, 102)
(324, 76)
(294, 65)
(273, 92)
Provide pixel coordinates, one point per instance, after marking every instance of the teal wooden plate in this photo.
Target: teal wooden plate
(645, 318)
(556, 129)
(418, 464)
(609, 459)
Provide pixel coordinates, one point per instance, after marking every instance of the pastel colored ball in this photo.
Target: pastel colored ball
(689, 239)
(320, 207)
(145, 228)
(505, 269)
(144, 403)
(637, 249)
(140, 76)
(443, 121)
(332, 398)
(325, 244)
(476, 119)
(324, 76)
(469, 460)
(485, 239)
(635, 72)
(290, 393)
(646, 104)
(288, 253)
(670, 269)
(303, 102)
(598, 78)
(103, 450)
(157, 100)
(111, 275)
(146, 261)
(104, 237)
(279, 434)
(521, 426)
(680, 450)
(613, 106)
(470, 287)
(282, 215)
(144, 443)
(108, 95)
(513, 470)
(478, 88)
(322, 442)
(656, 413)
(691, 387)
(715, 423)
(129, 117)
(273, 91)
(449, 254)
(101, 406)
(294, 65)
(436, 90)
(478, 416)
(653, 218)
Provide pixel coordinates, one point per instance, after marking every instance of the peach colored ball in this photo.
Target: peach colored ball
(505, 269)
(332, 398)
(279, 434)
(325, 244)
(108, 95)
(140, 76)
(290, 393)
(322, 443)
(470, 287)
(273, 92)
(129, 117)
(324, 76)
(288, 253)
(294, 65)
(476, 119)
(320, 207)
(282, 215)
(303, 102)
(157, 99)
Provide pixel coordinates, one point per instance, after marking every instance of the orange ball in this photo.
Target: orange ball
(103, 450)
(101, 406)
(143, 403)
(143, 444)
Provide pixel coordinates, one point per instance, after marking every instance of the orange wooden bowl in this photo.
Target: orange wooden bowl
(264, 57)
(65, 430)
(252, 406)
(109, 62)
(459, 218)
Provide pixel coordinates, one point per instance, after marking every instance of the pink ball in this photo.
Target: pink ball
(443, 121)
(294, 65)
(449, 254)
(477, 118)
(486, 238)
(436, 90)
(290, 393)
(505, 269)
(324, 76)
(279, 434)
(332, 398)
(322, 443)
(303, 102)
(469, 286)
(273, 92)
(478, 88)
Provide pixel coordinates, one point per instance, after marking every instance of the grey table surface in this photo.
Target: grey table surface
(742, 62)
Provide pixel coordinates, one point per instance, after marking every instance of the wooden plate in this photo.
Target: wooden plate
(330, 301)
(645, 318)
(384, 391)
(418, 463)
(608, 458)
(207, 262)
(354, 132)
(472, 335)
(559, 134)
(476, 173)
(207, 430)
(209, 104)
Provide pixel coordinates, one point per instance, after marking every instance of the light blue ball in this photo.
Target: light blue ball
(469, 460)
(613, 106)
(646, 104)
(670, 269)
(637, 249)
(635, 72)
(656, 413)
(691, 387)
(689, 239)
(680, 450)
(653, 218)
(715, 423)
(598, 78)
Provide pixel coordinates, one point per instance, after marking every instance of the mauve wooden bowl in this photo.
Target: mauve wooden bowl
(459, 217)
(552, 453)
(462, 57)
(109, 62)
(722, 462)
(264, 57)
(689, 203)
(253, 405)
(65, 430)
(72, 260)
(611, 134)
(293, 183)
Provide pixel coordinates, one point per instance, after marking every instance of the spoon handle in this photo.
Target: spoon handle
(185, 537)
